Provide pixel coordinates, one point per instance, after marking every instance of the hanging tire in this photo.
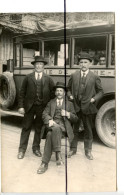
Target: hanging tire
(7, 90)
(105, 124)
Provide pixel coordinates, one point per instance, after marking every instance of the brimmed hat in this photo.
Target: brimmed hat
(60, 85)
(39, 59)
(85, 56)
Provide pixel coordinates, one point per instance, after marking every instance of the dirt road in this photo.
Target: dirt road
(82, 175)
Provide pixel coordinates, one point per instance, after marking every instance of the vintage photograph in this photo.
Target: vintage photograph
(57, 102)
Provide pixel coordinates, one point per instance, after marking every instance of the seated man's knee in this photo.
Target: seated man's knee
(49, 133)
(56, 130)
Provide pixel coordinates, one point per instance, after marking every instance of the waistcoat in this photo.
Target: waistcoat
(39, 92)
(57, 116)
(81, 88)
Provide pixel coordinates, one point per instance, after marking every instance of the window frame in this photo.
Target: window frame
(40, 50)
(55, 66)
(86, 36)
(71, 39)
(110, 50)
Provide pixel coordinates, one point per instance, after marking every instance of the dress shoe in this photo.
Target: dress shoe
(43, 168)
(89, 155)
(37, 153)
(59, 162)
(58, 159)
(71, 153)
(21, 155)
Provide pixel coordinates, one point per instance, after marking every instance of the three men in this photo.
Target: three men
(84, 88)
(35, 93)
(57, 117)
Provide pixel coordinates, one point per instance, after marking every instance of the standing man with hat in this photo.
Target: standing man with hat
(57, 117)
(35, 93)
(84, 88)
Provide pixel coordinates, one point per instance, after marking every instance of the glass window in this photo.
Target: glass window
(30, 50)
(95, 46)
(54, 52)
(113, 51)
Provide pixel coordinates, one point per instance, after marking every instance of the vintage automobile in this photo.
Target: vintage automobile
(61, 48)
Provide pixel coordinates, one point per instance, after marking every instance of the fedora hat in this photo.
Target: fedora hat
(39, 59)
(85, 56)
(60, 85)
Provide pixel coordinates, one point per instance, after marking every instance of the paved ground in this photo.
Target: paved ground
(82, 175)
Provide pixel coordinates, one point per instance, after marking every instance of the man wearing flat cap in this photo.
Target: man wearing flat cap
(58, 116)
(84, 89)
(35, 93)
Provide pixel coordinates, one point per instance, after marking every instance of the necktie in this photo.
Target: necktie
(59, 102)
(38, 77)
(82, 86)
(83, 78)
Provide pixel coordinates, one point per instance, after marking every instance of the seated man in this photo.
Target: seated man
(57, 117)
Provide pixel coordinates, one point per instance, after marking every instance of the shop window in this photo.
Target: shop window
(30, 50)
(54, 52)
(95, 46)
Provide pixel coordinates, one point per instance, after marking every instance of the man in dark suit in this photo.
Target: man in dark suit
(84, 88)
(57, 117)
(35, 93)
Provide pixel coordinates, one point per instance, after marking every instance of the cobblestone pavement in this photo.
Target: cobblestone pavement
(82, 175)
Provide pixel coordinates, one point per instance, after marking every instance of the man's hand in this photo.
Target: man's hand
(21, 110)
(51, 123)
(71, 97)
(92, 100)
(65, 113)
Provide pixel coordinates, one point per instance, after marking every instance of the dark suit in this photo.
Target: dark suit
(84, 108)
(27, 100)
(54, 133)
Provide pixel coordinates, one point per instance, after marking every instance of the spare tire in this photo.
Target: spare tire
(7, 90)
(105, 124)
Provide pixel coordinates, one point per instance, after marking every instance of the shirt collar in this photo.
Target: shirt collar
(86, 72)
(36, 74)
(61, 100)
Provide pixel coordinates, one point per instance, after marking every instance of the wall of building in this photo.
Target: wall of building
(6, 48)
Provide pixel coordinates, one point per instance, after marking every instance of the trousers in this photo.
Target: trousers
(53, 143)
(35, 111)
(88, 134)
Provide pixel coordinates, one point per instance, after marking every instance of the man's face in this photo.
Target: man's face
(39, 67)
(102, 61)
(60, 92)
(84, 64)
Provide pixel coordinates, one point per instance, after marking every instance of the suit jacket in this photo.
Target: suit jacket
(28, 91)
(93, 89)
(49, 112)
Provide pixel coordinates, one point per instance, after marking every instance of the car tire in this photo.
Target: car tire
(105, 124)
(8, 90)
